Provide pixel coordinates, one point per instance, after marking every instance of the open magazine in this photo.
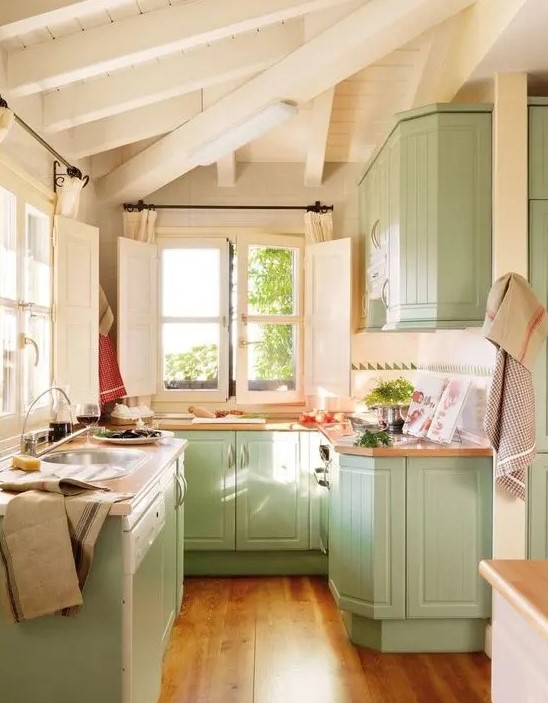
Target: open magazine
(435, 407)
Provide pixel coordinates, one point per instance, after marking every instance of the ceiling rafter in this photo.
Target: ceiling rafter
(144, 37)
(364, 36)
(320, 119)
(18, 18)
(460, 45)
(126, 128)
(176, 75)
(227, 171)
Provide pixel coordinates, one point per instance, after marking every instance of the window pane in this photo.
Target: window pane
(271, 357)
(271, 281)
(9, 349)
(38, 376)
(191, 281)
(8, 239)
(190, 355)
(38, 259)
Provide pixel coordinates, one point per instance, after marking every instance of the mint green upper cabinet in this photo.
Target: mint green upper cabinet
(272, 492)
(211, 477)
(448, 534)
(538, 151)
(367, 536)
(438, 161)
(538, 274)
(537, 505)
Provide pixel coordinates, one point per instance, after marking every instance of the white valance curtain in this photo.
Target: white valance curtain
(67, 200)
(7, 118)
(318, 226)
(140, 225)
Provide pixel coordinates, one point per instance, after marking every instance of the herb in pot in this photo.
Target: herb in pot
(397, 392)
(372, 439)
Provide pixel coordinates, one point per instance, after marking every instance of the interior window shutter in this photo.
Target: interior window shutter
(76, 322)
(138, 315)
(328, 318)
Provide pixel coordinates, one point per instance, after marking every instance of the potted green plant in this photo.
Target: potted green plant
(390, 399)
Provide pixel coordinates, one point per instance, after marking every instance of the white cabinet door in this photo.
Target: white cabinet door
(76, 326)
(138, 315)
(328, 318)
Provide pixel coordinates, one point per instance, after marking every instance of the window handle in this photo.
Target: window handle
(244, 343)
(30, 341)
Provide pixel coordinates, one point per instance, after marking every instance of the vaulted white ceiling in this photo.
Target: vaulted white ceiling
(181, 73)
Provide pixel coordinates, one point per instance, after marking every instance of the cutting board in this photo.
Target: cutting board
(229, 419)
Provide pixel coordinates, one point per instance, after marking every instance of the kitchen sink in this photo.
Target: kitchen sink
(95, 463)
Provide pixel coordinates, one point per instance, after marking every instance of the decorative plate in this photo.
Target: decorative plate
(164, 434)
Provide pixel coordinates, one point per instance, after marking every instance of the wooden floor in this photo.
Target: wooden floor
(281, 640)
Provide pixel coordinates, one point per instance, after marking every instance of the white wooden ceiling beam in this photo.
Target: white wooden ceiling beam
(226, 171)
(176, 75)
(364, 36)
(459, 47)
(320, 119)
(142, 123)
(18, 17)
(144, 37)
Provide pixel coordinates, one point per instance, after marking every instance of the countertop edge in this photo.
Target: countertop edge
(511, 592)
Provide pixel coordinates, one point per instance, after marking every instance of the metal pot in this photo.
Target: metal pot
(391, 417)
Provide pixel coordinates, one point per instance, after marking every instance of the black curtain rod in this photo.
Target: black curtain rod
(58, 178)
(141, 205)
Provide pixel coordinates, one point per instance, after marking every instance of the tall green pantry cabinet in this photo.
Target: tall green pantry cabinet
(537, 502)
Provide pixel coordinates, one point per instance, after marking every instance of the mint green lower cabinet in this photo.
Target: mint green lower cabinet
(367, 536)
(210, 465)
(538, 508)
(54, 659)
(406, 538)
(272, 492)
(169, 560)
(449, 520)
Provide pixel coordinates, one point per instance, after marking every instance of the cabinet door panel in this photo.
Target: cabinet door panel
(449, 508)
(538, 273)
(272, 492)
(538, 508)
(180, 536)
(538, 152)
(210, 475)
(367, 536)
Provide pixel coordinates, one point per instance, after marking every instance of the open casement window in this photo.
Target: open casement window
(194, 315)
(328, 307)
(26, 297)
(76, 339)
(269, 333)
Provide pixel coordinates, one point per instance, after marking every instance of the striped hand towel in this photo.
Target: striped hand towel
(517, 323)
(47, 543)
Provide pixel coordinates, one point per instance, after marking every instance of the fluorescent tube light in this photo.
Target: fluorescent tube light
(242, 134)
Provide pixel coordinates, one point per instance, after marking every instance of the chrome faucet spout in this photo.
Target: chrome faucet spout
(29, 447)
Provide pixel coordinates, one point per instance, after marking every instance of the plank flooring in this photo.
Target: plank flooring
(281, 640)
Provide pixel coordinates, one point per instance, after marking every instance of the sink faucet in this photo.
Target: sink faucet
(29, 441)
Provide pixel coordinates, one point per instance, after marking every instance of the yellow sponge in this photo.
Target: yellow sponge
(26, 463)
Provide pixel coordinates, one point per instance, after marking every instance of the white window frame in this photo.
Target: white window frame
(243, 394)
(30, 195)
(219, 394)
(176, 237)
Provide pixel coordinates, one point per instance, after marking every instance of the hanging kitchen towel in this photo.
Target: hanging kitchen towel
(517, 323)
(111, 385)
(106, 318)
(47, 543)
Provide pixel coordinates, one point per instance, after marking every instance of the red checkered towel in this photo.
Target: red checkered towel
(111, 385)
(517, 323)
